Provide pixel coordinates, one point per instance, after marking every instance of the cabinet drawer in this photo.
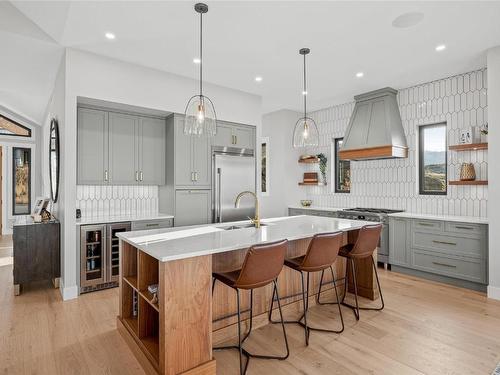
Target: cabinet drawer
(152, 224)
(295, 212)
(428, 225)
(464, 228)
(451, 244)
(472, 270)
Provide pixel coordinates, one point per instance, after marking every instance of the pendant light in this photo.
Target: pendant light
(200, 118)
(306, 132)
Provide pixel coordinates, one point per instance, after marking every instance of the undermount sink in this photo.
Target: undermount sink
(233, 227)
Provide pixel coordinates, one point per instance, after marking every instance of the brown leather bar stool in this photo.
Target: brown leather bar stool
(262, 266)
(364, 247)
(321, 254)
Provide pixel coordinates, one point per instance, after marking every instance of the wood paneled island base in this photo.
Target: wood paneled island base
(175, 334)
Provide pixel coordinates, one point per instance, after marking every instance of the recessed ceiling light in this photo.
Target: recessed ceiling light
(408, 20)
(110, 36)
(197, 60)
(360, 74)
(440, 47)
(304, 92)
(258, 79)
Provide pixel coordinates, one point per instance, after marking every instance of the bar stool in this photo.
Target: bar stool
(321, 254)
(262, 266)
(365, 245)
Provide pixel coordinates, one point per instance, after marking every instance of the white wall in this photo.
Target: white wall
(97, 77)
(494, 171)
(284, 172)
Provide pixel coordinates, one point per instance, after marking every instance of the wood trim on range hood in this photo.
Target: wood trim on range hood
(380, 152)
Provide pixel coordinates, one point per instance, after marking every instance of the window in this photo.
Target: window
(342, 170)
(10, 127)
(21, 172)
(433, 178)
(264, 160)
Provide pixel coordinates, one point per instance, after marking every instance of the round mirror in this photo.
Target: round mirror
(54, 159)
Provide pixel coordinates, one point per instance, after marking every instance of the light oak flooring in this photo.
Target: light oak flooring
(426, 328)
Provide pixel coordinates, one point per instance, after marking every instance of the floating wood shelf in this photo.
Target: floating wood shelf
(309, 161)
(311, 184)
(475, 182)
(469, 147)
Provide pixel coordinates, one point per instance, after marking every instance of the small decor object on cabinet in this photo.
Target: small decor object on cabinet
(466, 136)
(322, 167)
(467, 172)
(306, 202)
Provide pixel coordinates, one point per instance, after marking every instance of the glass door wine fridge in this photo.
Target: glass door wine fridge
(99, 260)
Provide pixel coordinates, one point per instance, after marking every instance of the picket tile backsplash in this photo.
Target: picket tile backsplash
(98, 201)
(461, 102)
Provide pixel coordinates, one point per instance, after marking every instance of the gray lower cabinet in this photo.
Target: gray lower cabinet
(152, 224)
(192, 207)
(448, 250)
(192, 163)
(92, 134)
(120, 149)
(311, 212)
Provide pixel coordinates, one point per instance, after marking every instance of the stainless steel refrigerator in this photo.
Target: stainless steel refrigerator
(233, 172)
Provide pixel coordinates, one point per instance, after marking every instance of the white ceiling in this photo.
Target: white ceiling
(245, 39)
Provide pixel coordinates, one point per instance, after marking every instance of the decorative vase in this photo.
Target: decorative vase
(467, 172)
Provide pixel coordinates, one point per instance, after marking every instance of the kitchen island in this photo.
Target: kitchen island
(174, 333)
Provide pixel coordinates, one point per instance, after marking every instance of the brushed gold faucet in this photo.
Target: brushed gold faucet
(256, 219)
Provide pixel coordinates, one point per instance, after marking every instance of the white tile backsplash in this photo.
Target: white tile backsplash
(95, 200)
(461, 102)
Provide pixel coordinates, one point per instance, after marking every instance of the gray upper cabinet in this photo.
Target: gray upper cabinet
(92, 168)
(192, 207)
(192, 158)
(120, 149)
(151, 141)
(233, 135)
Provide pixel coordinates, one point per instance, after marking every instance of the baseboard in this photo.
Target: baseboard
(68, 293)
(493, 292)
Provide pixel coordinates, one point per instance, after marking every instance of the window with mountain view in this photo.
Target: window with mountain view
(433, 174)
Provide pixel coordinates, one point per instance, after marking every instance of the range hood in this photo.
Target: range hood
(375, 129)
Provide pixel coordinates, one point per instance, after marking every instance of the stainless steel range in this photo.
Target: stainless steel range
(378, 215)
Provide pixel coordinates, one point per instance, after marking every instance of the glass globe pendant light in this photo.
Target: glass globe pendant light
(306, 132)
(200, 118)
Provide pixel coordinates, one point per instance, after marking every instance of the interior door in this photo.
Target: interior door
(123, 163)
(233, 174)
(152, 151)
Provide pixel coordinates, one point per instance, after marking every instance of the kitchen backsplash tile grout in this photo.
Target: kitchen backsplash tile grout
(461, 102)
(96, 200)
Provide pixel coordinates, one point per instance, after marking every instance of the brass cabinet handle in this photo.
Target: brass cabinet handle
(192, 176)
(141, 176)
(445, 243)
(106, 175)
(136, 175)
(196, 176)
(426, 224)
(468, 228)
(152, 225)
(444, 264)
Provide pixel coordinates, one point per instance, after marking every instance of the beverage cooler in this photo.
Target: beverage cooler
(99, 258)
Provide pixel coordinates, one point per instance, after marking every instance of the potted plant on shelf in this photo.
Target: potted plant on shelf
(322, 167)
(484, 133)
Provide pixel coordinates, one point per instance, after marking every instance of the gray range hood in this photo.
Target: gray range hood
(375, 129)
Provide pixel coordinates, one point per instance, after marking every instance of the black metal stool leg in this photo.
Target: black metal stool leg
(320, 285)
(239, 332)
(378, 286)
(251, 317)
(304, 298)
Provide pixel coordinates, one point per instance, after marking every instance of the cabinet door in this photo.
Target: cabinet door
(192, 207)
(92, 149)
(244, 136)
(123, 165)
(183, 156)
(398, 242)
(152, 151)
(224, 136)
(201, 147)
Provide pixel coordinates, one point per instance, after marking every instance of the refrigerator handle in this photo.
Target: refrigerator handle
(218, 218)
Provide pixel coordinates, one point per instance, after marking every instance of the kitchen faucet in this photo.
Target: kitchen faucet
(256, 219)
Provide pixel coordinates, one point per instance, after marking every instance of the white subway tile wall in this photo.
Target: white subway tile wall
(461, 102)
(97, 201)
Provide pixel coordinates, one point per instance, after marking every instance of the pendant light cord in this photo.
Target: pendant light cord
(201, 55)
(305, 89)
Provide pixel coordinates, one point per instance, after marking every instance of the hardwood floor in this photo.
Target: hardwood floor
(426, 328)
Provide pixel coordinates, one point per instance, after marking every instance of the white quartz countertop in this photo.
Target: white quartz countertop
(461, 219)
(185, 242)
(121, 219)
(317, 208)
